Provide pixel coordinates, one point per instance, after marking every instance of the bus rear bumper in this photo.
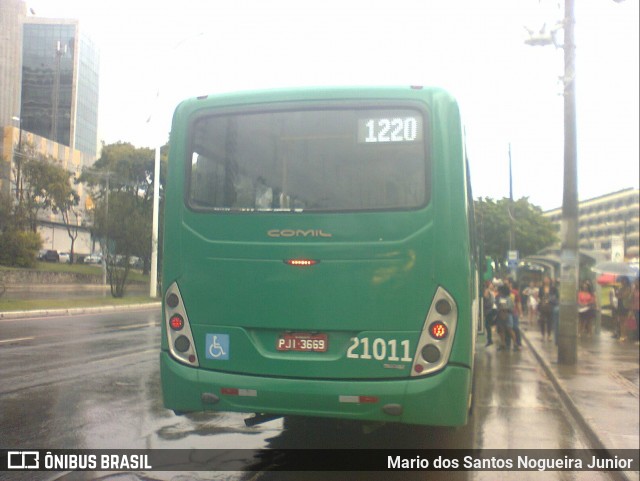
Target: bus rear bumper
(437, 400)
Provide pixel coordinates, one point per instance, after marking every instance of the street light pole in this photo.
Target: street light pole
(568, 323)
(569, 256)
(153, 284)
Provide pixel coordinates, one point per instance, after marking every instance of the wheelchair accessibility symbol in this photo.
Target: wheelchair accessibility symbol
(217, 347)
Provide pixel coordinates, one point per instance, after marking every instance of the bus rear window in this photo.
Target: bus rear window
(312, 160)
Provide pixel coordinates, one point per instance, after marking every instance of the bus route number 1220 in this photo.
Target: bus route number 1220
(390, 130)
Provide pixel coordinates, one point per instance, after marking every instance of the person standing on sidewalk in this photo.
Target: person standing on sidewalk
(504, 318)
(636, 308)
(517, 310)
(489, 311)
(586, 308)
(548, 298)
(625, 303)
(532, 303)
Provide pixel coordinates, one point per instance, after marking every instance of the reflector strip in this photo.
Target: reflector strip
(358, 399)
(232, 391)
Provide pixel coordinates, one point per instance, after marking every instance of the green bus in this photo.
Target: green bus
(318, 256)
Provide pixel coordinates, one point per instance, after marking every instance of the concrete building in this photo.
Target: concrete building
(51, 226)
(607, 219)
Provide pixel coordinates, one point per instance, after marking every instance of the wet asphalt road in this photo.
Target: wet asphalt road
(92, 381)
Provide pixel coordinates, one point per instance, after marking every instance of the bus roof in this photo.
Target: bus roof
(298, 94)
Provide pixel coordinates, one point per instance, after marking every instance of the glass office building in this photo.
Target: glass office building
(60, 72)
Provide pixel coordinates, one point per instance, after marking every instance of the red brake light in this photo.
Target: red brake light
(301, 262)
(438, 330)
(176, 322)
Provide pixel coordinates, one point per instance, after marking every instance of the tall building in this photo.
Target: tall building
(60, 73)
(606, 218)
(49, 72)
(12, 15)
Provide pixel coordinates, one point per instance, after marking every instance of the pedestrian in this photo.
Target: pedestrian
(586, 308)
(548, 300)
(517, 310)
(625, 303)
(636, 308)
(489, 310)
(613, 302)
(504, 318)
(532, 303)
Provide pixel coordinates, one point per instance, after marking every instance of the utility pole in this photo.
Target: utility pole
(569, 256)
(511, 235)
(153, 282)
(568, 325)
(512, 256)
(153, 275)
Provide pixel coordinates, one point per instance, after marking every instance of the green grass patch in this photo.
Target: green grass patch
(75, 268)
(37, 304)
(87, 269)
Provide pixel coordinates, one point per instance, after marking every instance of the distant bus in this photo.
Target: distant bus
(318, 256)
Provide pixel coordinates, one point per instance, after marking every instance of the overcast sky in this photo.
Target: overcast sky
(509, 92)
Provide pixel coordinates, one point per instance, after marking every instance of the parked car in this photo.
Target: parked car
(65, 257)
(49, 256)
(93, 259)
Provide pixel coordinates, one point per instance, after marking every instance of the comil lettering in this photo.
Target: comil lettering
(298, 233)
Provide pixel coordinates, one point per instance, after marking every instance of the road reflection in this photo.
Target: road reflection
(93, 382)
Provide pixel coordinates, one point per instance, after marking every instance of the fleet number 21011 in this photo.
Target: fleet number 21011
(379, 349)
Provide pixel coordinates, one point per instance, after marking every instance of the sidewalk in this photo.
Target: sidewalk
(601, 391)
(69, 291)
(78, 310)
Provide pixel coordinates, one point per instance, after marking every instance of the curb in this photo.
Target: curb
(568, 402)
(77, 310)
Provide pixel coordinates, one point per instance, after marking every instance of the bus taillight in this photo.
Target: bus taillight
(443, 307)
(173, 300)
(178, 329)
(436, 339)
(430, 353)
(176, 322)
(438, 330)
(182, 344)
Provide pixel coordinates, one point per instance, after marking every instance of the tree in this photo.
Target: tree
(18, 245)
(532, 231)
(65, 200)
(121, 181)
(48, 186)
(35, 189)
(125, 227)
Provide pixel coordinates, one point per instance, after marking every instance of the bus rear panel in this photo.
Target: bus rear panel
(318, 258)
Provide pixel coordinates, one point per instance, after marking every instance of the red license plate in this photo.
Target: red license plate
(302, 342)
